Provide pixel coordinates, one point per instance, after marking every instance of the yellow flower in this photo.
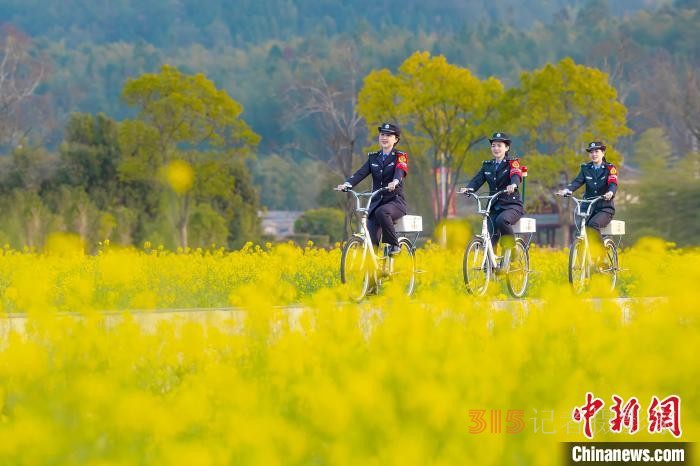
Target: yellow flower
(180, 176)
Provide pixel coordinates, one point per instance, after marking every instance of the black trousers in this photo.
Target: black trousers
(382, 220)
(599, 220)
(501, 224)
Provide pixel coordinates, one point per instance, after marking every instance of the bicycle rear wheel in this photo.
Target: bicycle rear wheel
(402, 269)
(354, 268)
(476, 267)
(578, 266)
(519, 269)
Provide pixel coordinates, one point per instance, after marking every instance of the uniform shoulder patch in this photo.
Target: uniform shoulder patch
(613, 170)
(515, 163)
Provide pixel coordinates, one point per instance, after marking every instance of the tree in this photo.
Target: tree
(90, 155)
(657, 207)
(30, 169)
(323, 221)
(20, 75)
(669, 93)
(78, 211)
(329, 99)
(208, 227)
(180, 117)
(284, 183)
(559, 109)
(443, 110)
(28, 218)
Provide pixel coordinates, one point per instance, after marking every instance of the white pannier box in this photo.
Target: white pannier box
(615, 227)
(409, 224)
(525, 225)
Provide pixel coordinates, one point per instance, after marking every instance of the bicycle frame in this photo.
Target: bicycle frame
(363, 214)
(485, 235)
(580, 214)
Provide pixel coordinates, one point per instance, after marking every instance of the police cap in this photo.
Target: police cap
(500, 137)
(595, 145)
(389, 128)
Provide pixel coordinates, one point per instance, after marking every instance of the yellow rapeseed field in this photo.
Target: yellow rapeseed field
(389, 381)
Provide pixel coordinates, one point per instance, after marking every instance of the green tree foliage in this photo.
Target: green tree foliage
(90, 155)
(254, 51)
(179, 116)
(444, 111)
(210, 22)
(559, 109)
(323, 221)
(664, 201)
(285, 184)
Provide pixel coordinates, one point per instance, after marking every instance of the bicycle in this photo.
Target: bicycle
(580, 261)
(362, 269)
(480, 260)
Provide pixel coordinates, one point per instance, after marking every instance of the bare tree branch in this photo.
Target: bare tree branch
(328, 97)
(20, 75)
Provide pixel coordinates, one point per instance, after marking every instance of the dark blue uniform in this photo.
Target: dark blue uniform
(598, 182)
(387, 207)
(507, 209)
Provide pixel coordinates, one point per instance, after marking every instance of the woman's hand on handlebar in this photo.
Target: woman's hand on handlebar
(343, 187)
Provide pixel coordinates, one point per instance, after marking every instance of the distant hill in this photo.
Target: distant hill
(168, 23)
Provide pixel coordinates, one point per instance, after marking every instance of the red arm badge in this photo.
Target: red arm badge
(612, 175)
(515, 168)
(402, 162)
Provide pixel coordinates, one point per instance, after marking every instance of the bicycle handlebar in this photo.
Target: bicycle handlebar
(579, 202)
(571, 195)
(490, 197)
(470, 193)
(358, 195)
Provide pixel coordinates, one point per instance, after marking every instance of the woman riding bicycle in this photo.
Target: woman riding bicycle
(501, 173)
(600, 178)
(388, 168)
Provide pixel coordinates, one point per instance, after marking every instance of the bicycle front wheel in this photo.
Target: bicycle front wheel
(354, 268)
(578, 266)
(609, 263)
(402, 269)
(476, 267)
(519, 269)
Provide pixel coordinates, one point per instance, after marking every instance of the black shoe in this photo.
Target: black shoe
(394, 250)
